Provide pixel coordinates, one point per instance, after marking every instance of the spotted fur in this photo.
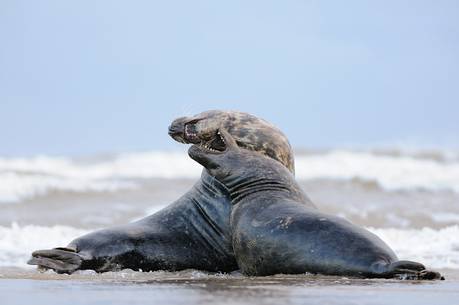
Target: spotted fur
(249, 131)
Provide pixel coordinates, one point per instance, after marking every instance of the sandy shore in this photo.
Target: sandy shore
(19, 286)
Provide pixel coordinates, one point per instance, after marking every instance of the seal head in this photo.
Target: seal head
(249, 132)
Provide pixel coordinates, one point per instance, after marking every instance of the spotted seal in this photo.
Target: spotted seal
(192, 232)
(276, 229)
(250, 132)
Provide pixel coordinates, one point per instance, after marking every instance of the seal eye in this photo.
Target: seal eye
(190, 132)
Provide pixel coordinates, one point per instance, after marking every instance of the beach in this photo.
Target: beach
(409, 198)
(193, 287)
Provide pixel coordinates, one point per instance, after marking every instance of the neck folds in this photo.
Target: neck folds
(241, 188)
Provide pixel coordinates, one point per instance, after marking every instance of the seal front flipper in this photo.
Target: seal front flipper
(408, 270)
(61, 260)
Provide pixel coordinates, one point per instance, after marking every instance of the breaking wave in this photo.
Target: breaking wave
(25, 178)
(433, 248)
(390, 172)
(18, 242)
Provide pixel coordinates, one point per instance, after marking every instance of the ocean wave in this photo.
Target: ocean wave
(23, 178)
(391, 173)
(434, 248)
(17, 186)
(18, 242)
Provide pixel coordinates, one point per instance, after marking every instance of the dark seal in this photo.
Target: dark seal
(193, 232)
(275, 228)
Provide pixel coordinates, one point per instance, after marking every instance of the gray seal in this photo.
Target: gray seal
(250, 132)
(275, 228)
(191, 233)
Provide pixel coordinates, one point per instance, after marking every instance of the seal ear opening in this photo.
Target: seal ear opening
(230, 142)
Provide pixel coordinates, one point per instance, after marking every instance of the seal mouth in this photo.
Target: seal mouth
(187, 132)
(215, 145)
(211, 144)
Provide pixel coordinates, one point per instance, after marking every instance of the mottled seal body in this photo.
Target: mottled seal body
(193, 232)
(276, 229)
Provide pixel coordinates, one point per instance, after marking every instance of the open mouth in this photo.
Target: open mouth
(215, 145)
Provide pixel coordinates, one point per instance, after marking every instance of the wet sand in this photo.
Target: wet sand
(19, 286)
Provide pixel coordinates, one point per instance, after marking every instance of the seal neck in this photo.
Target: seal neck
(241, 188)
(212, 185)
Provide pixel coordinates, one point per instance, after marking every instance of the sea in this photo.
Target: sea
(408, 197)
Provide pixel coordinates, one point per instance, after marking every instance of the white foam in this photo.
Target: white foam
(23, 178)
(392, 173)
(17, 243)
(434, 248)
(134, 165)
(16, 186)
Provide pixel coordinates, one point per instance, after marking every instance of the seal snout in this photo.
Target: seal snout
(173, 130)
(177, 130)
(184, 130)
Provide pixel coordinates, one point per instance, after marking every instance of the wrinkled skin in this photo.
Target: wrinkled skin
(192, 232)
(276, 229)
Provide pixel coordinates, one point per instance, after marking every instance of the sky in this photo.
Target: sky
(87, 77)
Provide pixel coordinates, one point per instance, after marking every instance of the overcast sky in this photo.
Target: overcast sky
(84, 77)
